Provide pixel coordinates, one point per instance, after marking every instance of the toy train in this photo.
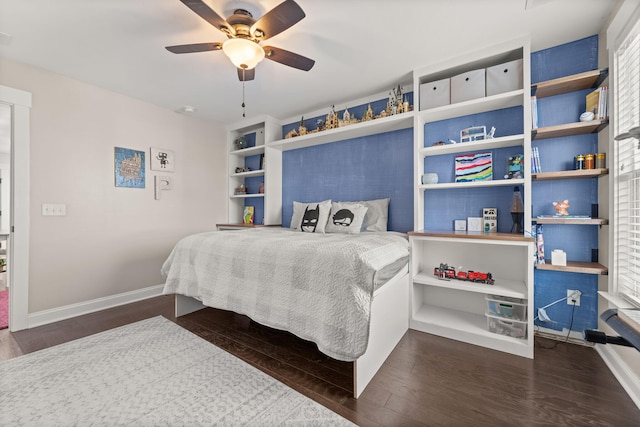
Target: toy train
(444, 271)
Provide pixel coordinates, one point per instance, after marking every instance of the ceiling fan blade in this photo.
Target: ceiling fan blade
(246, 75)
(206, 13)
(196, 47)
(288, 58)
(277, 20)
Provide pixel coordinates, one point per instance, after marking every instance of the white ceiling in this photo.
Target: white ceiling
(361, 47)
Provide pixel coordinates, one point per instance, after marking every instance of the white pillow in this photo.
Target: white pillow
(377, 214)
(310, 217)
(346, 218)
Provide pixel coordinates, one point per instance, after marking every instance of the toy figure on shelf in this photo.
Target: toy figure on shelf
(368, 114)
(302, 129)
(561, 207)
(332, 119)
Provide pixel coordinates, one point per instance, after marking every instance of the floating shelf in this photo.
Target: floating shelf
(571, 174)
(569, 129)
(577, 221)
(575, 267)
(587, 80)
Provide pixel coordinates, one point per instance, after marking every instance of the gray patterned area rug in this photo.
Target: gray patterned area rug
(149, 373)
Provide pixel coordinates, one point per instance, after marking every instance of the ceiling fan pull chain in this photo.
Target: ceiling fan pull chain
(243, 69)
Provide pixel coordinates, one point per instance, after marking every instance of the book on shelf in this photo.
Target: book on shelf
(534, 112)
(597, 103)
(535, 160)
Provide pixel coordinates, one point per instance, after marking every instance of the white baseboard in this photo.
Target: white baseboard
(625, 376)
(61, 313)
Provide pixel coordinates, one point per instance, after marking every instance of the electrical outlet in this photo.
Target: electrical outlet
(573, 295)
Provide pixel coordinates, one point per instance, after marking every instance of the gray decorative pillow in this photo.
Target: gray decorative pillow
(310, 217)
(377, 214)
(346, 218)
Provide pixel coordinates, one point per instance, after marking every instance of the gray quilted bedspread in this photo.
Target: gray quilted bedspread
(316, 286)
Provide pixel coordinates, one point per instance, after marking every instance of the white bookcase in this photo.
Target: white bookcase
(453, 308)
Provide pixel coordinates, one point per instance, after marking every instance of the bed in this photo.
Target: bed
(348, 293)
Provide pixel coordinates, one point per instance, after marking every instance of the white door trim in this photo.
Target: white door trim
(18, 254)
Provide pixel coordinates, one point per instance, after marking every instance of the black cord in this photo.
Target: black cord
(573, 309)
(571, 324)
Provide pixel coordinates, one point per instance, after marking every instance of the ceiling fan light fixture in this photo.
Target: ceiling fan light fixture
(243, 53)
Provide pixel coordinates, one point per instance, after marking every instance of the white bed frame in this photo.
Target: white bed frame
(389, 323)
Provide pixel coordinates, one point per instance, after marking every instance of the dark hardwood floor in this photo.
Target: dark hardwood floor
(427, 380)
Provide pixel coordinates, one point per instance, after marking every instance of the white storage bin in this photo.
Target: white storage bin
(504, 77)
(506, 308)
(510, 328)
(467, 86)
(435, 94)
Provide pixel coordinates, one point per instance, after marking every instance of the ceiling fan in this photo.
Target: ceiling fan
(245, 34)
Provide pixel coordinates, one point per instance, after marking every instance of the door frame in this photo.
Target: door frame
(18, 242)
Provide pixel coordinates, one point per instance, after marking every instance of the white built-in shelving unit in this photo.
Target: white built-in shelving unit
(454, 308)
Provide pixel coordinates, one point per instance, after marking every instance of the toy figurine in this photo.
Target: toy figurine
(561, 207)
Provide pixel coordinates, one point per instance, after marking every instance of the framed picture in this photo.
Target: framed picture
(474, 167)
(162, 160)
(129, 168)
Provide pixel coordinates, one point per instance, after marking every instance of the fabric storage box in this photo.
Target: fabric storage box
(504, 77)
(506, 307)
(510, 328)
(435, 94)
(467, 86)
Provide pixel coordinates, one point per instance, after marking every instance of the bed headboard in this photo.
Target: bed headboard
(371, 167)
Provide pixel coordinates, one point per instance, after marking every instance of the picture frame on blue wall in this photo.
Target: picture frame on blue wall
(129, 168)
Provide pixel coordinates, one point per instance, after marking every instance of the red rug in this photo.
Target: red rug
(4, 309)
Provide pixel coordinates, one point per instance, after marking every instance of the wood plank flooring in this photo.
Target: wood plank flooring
(427, 380)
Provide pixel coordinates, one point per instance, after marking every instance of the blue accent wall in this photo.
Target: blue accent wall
(557, 154)
(371, 167)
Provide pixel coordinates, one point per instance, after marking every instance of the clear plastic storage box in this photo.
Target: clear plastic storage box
(506, 307)
(510, 328)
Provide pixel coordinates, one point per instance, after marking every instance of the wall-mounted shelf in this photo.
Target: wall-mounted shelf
(586, 80)
(577, 221)
(575, 267)
(357, 130)
(568, 129)
(570, 174)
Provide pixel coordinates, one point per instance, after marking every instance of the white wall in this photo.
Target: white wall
(112, 240)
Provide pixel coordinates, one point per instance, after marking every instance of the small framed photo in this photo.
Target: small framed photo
(162, 160)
